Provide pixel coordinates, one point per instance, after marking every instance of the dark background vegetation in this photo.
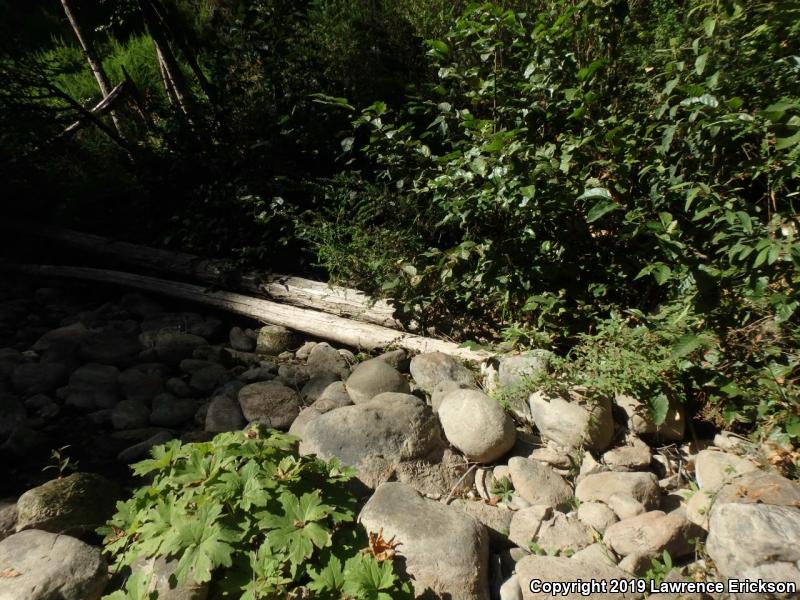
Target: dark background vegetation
(615, 179)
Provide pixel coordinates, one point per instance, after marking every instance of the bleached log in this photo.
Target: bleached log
(297, 291)
(337, 329)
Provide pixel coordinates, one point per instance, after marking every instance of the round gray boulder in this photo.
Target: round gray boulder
(269, 403)
(373, 377)
(430, 368)
(476, 425)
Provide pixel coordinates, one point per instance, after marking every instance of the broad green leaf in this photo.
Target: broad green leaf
(659, 408)
(700, 63)
(601, 208)
(686, 345)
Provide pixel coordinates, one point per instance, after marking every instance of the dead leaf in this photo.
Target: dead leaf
(381, 548)
(8, 573)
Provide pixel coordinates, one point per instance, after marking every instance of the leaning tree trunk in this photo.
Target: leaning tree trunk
(174, 82)
(94, 62)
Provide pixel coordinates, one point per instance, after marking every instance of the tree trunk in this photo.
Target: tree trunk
(94, 62)
(174, 81)
(351, 333)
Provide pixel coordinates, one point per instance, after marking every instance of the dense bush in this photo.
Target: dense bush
(246, 511)
(594, 157)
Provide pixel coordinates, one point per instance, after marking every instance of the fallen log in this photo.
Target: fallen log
(366, 336)
(297, 291)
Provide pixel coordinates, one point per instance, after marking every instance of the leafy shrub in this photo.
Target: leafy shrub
(245, 512)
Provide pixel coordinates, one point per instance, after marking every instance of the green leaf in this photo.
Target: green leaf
(438, 46)
(709, 24)
(595, 192)
(601, 208)
(787, 142)
(659, 408)
(700, 63)
(686, 345)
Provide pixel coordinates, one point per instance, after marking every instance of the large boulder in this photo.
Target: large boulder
(431, 368)
(743, 536)
(600, 487)
(373, 377)
(71, 335)
(476, 425)
(376, 437)
(74, 505)
(574, 422)
(538, 483)
(762, 487)
(270, 403)
(534, 570)
(514, 369)
(38, 565)
(93, 386)
(443, 550)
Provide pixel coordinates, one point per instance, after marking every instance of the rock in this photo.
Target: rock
(442, 389)
(169, 411)
(731, 442)
(326, 361)
(269, 403)
(777, 572)
(304, 351)
(513, 369)
(640, 421)
(274, 339)
(94, 386)
(298, 426)
(140, 305)
(597, 515)
(256, 374)
(650, 533)
(178, 387)
(550, 456)
(445, 551)
(313, 389)
(160, 571)
(141, 385)
(173, 346)
(589, 466)
(571, 423)
(525, 524)
(635, 458)
(561, 569)
(8, 518)
(625, 506)
(563, 534)
(376, 437)
(397, 359)
(642, 487)
(130, 414)
(333, 396)
(224, 414)
(511, 590)
(12, 414)
(110, 347)
(714, 469)
(209, 328)
(476, 425)
(762, 487)
(293, 375)
(72, 335)
(209, 378)
(50, 567)
(73, 505)
(635, 564)
(433, 367)
(373, 377)
(142, 449)
(241, 341)
(743, 536)
(539, 484)
(29, 379)
(496, 519)
(595, 554)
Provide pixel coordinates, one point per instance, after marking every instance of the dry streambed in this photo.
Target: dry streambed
(483, 500)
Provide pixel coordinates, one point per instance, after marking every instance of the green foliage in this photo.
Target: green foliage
(503, 489)
(249, 514)
(60, 461)
(659, 568)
